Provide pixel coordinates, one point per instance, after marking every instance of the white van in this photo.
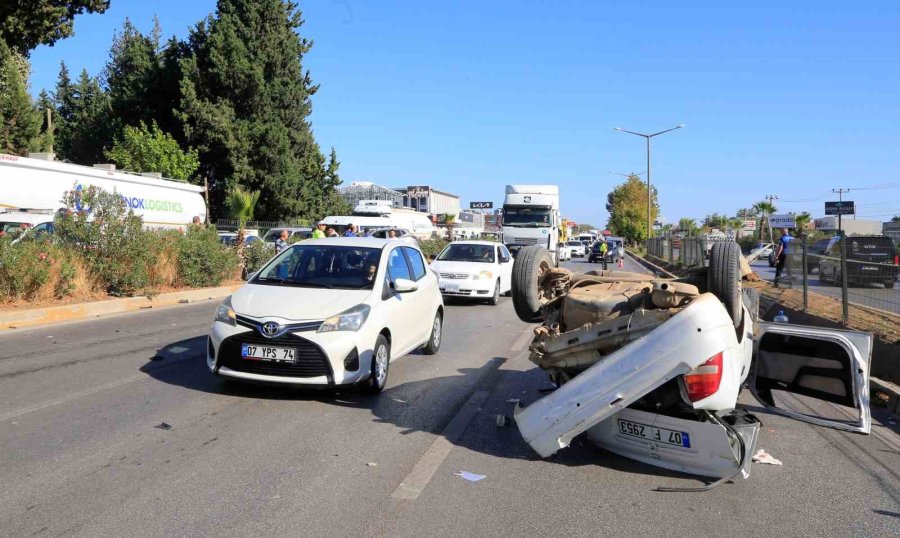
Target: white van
(372, 214)
(32, 187)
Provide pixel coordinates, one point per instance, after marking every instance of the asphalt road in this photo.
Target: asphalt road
(875, 295)
(82, 453)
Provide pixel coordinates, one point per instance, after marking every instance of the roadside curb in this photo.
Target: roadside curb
(891, 390)
(19, 319)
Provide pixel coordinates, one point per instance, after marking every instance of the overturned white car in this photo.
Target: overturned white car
(652, 368)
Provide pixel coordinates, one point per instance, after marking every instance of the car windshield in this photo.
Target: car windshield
(272, 235)
(574, 243)
(467, 253)
(12, 229)
(875, 249)
(526, 216)
(322, 266)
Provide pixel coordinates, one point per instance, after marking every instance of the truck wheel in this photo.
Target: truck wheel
(528, 269)
(724, 277)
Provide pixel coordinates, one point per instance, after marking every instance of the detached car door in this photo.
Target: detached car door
(813, 374)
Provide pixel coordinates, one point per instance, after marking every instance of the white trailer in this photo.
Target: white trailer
(36, 184)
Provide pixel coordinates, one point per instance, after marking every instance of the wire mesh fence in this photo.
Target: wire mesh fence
(859, 274)
(686, 252)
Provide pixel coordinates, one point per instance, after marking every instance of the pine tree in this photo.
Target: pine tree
(85, 127)
(246, 104)
(20, 123)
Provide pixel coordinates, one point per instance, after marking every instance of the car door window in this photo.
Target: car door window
(415, 260)
(397, 265)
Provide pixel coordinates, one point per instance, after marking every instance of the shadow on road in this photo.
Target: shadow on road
(426, 405)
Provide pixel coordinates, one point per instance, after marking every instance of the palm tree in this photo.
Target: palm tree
(764, 209)
(801, 221)
(450, 223)
(241, 204)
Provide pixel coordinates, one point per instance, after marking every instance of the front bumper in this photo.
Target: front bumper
(320, 356)
(468, 287)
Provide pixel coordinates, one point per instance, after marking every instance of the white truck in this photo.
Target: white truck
(31, 191)
(531, 217)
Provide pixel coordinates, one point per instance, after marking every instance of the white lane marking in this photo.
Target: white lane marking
(523, 340)
(69, 398)
(423, 471)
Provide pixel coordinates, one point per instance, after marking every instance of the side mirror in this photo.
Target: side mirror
(504, 259)
(249, 276)
(402, 285)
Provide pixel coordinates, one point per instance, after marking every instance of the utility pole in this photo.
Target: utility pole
(771, 199)
(840, 193)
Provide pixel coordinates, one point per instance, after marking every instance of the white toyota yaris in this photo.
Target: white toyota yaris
(475, 269)
(328, 312)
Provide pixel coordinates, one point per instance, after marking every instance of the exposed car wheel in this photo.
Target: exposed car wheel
(529, 268)
(437, 333)
(724, 277)
(381, 362)
(495, 299)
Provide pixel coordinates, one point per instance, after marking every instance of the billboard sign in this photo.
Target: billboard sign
(749, 226)
(782, 221)
(845, 207)
(481, 205)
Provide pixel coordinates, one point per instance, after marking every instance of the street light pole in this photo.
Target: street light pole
(647, 137)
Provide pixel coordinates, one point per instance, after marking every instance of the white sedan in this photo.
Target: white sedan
(476, 269)
(328, 312)
(576, 248)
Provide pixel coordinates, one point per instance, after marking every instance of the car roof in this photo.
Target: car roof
(478, 243)
(23, 217)
(368, 242)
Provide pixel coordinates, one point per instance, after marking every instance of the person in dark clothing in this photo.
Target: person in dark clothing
(782, 253)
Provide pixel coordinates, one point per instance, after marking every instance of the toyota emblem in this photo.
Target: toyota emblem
(270, 328)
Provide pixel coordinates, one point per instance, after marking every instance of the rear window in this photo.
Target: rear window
(871, 248)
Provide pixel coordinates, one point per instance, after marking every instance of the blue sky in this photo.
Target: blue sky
(469, 96)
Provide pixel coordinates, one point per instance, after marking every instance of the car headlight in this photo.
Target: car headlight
(484, 275)
(348, 320)
(225, 313)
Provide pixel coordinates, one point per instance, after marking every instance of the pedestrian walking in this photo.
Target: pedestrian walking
(784, 246)
(319, 232)
(282, 242)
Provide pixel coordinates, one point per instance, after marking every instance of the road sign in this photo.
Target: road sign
(481, 205)
(845, 207)
(749, 225)
(782, 221)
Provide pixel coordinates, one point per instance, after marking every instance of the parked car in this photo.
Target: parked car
(20, 224)
(295, 233)
(871, 259)
(651, 368)
(576, 248)
(328, 312)
(474, 269)
(229, 238)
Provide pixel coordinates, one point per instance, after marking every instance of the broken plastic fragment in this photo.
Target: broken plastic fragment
(371, 464)
(762, 456)
(163, 426)
(471, 477)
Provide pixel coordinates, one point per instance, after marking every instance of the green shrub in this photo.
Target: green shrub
(203, 260)
(109, 236)
(24, 268)
(256, 255)
(432, 247)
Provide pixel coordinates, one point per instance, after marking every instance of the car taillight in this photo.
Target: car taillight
(704, 380)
